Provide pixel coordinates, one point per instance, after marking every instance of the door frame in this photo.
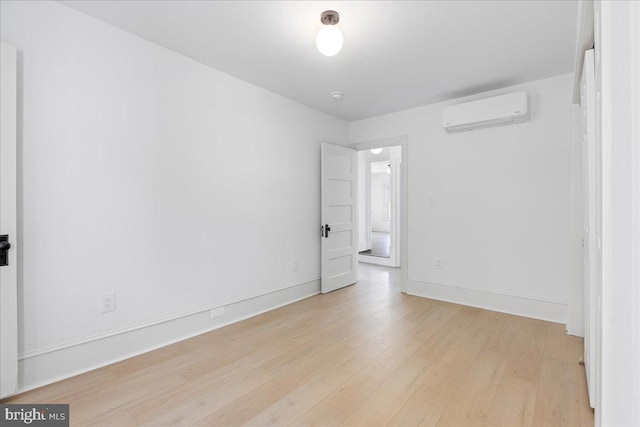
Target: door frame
(617, 42)
(403, 248)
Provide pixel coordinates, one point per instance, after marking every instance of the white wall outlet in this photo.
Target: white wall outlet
(216, 312)
(296, 265)
(431, 202)
(107, 302)
(439, 263)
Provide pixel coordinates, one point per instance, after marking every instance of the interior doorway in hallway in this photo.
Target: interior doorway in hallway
(379, 191)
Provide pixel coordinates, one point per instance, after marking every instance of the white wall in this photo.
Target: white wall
(378, 220)
(148, 174)
(502, 202)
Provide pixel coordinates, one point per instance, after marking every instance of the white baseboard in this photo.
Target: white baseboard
(574, 330)
(369, 259)
(46, 367)
(527, 307)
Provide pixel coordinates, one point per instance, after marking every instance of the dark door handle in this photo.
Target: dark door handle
(4, 247)
(327, 229)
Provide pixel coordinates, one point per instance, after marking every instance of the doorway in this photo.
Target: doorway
(379, 205)
(377, 236)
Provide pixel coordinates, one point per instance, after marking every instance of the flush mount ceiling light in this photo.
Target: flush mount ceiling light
(376, 151)
(329, 39)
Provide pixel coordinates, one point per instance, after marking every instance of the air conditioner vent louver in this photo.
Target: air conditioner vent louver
(496, 111)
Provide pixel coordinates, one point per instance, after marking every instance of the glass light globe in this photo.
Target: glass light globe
(376, 151)
(329, 40)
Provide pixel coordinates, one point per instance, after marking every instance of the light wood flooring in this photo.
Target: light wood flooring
(366, 355)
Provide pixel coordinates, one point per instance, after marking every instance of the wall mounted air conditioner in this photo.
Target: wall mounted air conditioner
(496, 111)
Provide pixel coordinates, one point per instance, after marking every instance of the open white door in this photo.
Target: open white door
(339, 217)
(590, 221)
(8, 270)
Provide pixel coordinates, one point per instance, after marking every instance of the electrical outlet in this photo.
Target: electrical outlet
(431, 202)
(216, 312)
(439, 263)
(296, 265)
(107, 302)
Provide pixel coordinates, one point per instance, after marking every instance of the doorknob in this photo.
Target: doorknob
(327, 229)
(4, 247)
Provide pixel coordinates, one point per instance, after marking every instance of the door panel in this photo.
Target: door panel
(339, 213)
(8, 273)
(590, 220)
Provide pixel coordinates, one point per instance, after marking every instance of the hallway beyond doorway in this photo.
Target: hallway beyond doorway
(380, 244)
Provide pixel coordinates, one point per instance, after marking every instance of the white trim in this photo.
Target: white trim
(620, 99)
(370, 259)
(497, 292)
(63, 362)
(379, 143)
(520, 306)
(604, 400)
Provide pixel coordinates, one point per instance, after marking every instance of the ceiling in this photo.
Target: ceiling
(396, 54)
